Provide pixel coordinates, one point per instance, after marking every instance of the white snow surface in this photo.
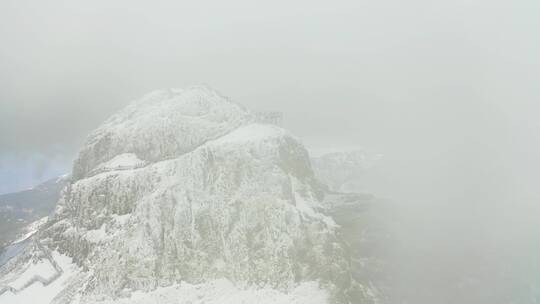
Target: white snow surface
(41, 268)
(37, 293)
(223, 292)
(122, 162)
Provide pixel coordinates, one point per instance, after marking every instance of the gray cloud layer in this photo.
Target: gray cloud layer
(376, 71)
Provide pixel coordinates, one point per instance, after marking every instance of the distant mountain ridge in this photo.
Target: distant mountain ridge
(344, 171)
(19, 209)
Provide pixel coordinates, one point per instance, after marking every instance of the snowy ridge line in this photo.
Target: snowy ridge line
(98, 171)
(159, 125)
(37, 278)
(31, 229)
(119, 168)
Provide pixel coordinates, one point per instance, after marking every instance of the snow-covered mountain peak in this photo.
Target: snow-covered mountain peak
(201, 95)
(162, 125)
(183, 187)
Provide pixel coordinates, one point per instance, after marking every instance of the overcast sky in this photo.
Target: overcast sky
(396, 77)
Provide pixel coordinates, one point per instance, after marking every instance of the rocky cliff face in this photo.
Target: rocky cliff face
(183, 186)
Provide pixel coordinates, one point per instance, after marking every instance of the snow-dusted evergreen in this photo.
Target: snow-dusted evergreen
(184, 186)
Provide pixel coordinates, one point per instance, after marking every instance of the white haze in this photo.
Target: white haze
(446, 90)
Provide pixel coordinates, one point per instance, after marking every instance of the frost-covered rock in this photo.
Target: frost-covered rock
(182, 186)
(162, 125)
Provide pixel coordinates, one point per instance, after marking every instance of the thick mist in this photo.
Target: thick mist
(446, 90)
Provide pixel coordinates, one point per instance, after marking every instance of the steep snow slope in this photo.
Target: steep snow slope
(224, 292)
(182, 187)
(44, 277)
